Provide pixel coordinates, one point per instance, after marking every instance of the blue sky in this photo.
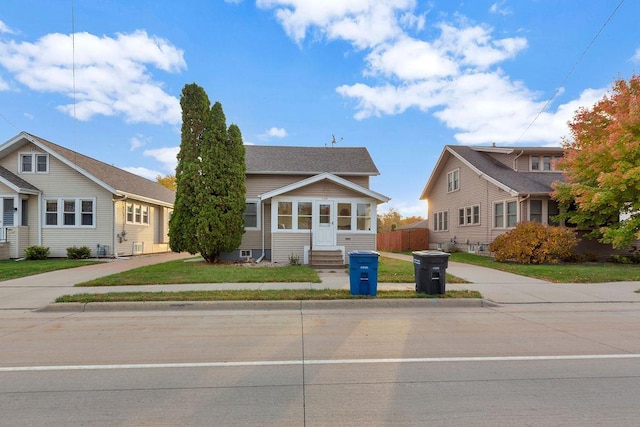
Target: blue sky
(400, 77)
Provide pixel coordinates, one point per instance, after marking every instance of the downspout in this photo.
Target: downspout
(515, 161)
(262, 229)
(122, 198)
(40, 218)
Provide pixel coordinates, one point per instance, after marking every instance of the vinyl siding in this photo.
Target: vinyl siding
(357, 242)
(148, 235)
(286, 244)
(473, 191)
(323, 189)
(259, 184)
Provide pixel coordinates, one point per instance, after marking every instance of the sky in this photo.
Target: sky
(402, 78)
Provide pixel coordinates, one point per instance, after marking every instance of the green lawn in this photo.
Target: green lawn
(193, 271)
(252, 295)
(559, 273)
(11, 269)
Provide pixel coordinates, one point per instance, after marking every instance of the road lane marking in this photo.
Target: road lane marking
(317, 362)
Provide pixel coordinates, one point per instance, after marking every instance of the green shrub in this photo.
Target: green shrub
(534, 243)
(36, 253)
(83, 252)
(294, 259)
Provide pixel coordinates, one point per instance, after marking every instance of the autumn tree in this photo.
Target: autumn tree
(602, 167)
(210, 190)
(168, 181)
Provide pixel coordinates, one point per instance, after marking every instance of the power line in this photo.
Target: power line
(571, 70)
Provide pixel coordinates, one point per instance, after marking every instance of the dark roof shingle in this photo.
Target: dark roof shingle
(309, 160)
(116, 178)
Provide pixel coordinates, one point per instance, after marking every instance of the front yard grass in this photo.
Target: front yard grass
(252, 295)
(390, 270)
(11, 269)
(558, 273)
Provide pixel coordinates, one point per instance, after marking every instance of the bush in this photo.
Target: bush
(534, 243)
(294, 259)
(83, 252)
(36, 253)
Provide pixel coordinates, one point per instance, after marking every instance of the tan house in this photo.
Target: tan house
(55, 197)
(475, 194)
(312, 204)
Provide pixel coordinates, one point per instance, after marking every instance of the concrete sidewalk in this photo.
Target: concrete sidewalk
(33, 292)
(506, 288)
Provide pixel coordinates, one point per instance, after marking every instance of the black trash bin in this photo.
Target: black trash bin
(430, 268)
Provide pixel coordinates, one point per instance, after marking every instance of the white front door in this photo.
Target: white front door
(324, 229)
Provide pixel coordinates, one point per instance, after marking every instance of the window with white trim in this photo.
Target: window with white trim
(453, 180)
(251, 215)
(505, 214)
(363, 216)
(535, 211)
(441, 221)
(34, 163)
(285, 215)
(137, 214)
(469, 215)
(344, 216)
(70, 212)
(305, 210)
(543, 163)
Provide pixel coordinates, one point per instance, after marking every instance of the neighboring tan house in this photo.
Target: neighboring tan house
(311, 204)
(476, 193)
(55, 197)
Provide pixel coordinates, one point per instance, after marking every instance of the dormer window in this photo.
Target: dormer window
(34, 163)
(543, 163)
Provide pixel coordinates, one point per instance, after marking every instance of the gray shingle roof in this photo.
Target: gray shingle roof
(114, 177)
(309, 160)
(522, 182)
(16, 180)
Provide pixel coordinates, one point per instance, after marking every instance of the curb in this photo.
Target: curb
(265, 305)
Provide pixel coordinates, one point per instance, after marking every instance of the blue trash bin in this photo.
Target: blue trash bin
(363, 272)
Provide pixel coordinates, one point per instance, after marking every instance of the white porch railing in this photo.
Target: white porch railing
(3, 234)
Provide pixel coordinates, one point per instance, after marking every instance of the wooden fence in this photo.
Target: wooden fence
(404, 240)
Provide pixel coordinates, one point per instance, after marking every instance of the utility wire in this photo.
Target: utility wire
(571, 70)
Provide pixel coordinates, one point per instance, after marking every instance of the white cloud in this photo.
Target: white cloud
(500, 8)
(144, 172)
(112, 75)
(137, 142)
(455, 76)
(3, 85)
(5, 29)
(167, 156)
(636, 57)
(274, 132)
(364, 23)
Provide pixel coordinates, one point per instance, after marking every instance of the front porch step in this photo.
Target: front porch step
(319, 258)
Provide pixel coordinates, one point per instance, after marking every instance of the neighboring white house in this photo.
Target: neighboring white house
(55, 197)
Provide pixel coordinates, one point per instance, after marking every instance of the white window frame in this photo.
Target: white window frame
(77, 212)
(34, 163)
(255, 202)
(355, 220)
(441, 221)
(137, 213)
(505, 214)
(453, 180)
(467, 215)
(544, 163)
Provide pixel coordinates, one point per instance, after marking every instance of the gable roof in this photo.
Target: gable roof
(330, 177)
(270, 159)
(113, 179)
(16, 183)
(504, 177)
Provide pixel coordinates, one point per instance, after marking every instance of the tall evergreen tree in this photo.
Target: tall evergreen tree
(210, 195)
